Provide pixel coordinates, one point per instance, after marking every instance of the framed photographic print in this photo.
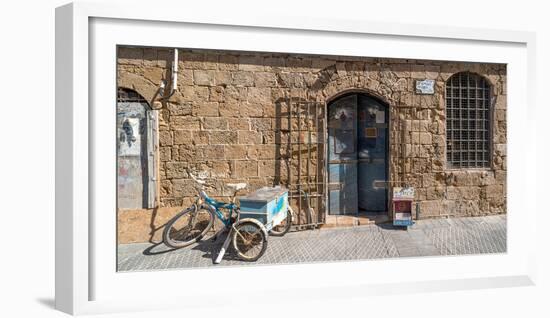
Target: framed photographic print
(334, 153)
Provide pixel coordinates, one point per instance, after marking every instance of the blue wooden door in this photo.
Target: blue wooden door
(342, 156)
(357, 155)
(372, 150)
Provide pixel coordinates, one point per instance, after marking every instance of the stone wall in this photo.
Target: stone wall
(224, 121)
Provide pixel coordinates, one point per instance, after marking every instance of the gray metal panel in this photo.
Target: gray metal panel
(152, 160)
(132, 155)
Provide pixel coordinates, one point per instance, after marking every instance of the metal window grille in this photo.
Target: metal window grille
(128, 95)
(306, 144)
(468, 121)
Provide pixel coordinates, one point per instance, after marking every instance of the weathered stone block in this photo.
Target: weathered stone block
(500, 114)
(500, 102)
(452, 193)
(195, 93)
(432, 71)
(245, 79)
(201, 137)
(223, 137)
(260, 124)
(185, 77)
(438, 140)
(238, 123)
(245, 168)
(236, 152)
(270, 110)
(268, 152)
(165, 188)
(165, 153)
(153, 74)
(265, 79)
(268, 168)
(425, 138)
(130, 55)
(222, 78)
(252, 63)
(190, 60)
(259, 95)
(214, 123)
(469, 192)
(203, 78)
(494, 191)
(206, 109)
(165, 138)
(235, 95)
(179, 109)
(184, 153)
(176, 170)
(184, 122)
(209, 152)
(228, 62)
(299, 64)
(274, 62)
(228, 110)
(220, 169)
(216, 94)
(182, 137)
(435, 193)
(250, 109)
(183, 187)
(431, 208)
(249, 137)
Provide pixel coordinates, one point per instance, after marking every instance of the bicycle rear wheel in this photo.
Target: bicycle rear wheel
(187, 227)
(249, 241)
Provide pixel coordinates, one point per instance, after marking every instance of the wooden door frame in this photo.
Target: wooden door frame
(382, 100)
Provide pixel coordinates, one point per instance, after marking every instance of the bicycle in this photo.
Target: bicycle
(249, 236)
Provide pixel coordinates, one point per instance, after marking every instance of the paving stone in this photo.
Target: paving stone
(474, 235)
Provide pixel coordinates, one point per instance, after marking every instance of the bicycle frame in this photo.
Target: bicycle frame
(203, 201)
(215, 206)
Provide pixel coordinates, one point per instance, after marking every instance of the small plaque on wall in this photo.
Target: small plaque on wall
(425, 87)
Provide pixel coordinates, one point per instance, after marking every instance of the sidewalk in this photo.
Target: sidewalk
(456, 236)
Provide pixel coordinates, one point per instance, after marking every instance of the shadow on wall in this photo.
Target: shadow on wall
(152, 226)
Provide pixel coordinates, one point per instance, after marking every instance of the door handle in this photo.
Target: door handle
(344, 161)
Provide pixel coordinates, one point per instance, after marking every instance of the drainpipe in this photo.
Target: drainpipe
(174, 74)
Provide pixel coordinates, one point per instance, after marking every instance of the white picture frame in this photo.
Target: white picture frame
(86, 37)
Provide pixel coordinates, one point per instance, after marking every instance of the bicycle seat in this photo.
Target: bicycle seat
(236, 186)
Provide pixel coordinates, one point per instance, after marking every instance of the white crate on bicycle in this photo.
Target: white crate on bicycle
(268, 205)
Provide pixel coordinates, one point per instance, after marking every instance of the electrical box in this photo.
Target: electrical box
(402, 203)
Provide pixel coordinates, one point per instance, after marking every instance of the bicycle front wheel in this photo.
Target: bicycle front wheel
(187, 227)
(249, 241)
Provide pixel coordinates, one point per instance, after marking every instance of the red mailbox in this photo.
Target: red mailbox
(402, 203)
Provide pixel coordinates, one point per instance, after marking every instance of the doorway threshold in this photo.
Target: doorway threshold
(363, 218)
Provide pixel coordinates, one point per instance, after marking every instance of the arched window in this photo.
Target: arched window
(468, 121)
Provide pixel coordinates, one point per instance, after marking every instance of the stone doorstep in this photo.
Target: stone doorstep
(355, 220)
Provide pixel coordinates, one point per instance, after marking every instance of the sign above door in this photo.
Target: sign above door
(425, 87)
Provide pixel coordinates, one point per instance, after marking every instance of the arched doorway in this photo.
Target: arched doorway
(136, 123)
(357, 155)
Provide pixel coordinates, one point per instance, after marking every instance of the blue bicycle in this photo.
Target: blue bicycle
(249, 236)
